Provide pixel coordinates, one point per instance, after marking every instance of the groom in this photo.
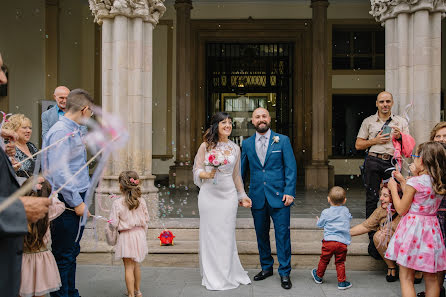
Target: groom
(270, 159)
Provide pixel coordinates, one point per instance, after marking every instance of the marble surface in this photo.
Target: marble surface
(183, 203)
(102, 280)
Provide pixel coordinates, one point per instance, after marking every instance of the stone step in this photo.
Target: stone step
(297, 235)
(185, 254)
(244, 247)
(305, 244)
(247, 234)
(250, 248)
(241, 223)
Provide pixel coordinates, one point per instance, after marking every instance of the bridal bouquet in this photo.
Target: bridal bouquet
(215, 159)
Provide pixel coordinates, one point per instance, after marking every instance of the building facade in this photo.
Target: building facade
(167, 66)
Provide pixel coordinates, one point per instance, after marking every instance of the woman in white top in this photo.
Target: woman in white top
(217, 173)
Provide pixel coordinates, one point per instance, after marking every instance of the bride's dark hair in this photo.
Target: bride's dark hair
(211, 135)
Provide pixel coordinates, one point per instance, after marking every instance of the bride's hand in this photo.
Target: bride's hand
(208, 175)
(246, 202)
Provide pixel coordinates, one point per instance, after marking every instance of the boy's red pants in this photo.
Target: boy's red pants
(329, 248)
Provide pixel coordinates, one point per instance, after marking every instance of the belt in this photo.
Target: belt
(40, 250)
(423, 214)
(385, 157)
(132, 229)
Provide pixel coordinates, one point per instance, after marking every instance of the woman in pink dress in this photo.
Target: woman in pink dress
(130, 215)
(40, 274)
(417, 243)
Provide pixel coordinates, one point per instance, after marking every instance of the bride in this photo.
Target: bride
(217, 173)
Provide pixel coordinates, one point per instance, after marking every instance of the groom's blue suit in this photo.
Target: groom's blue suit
(268, 183)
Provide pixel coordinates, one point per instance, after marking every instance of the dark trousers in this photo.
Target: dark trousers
(65, 249)
(11, 249)
(281, 219)
(375, 172)
(330, 248)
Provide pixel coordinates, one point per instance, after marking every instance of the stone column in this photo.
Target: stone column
(127, 32)
(413, 59)
(318, 174)
(181, 173)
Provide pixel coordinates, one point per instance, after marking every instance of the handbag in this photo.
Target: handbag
(111, 234)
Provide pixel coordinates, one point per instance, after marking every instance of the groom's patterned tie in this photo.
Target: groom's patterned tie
(263, 149)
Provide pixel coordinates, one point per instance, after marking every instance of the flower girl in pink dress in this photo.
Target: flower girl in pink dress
(417, 243)
(130, 215)
(40, 274)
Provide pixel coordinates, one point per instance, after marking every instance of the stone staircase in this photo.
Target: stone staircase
(305, 244)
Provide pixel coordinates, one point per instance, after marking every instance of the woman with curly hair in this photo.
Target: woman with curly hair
(384, 221)
(24, 149)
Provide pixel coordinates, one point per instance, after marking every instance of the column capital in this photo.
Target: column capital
(183, 4)
(383, 10)
(315, 3)
(149, 10)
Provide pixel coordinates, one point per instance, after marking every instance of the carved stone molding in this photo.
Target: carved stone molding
(156, 11)
(383, 10)
(149, 10)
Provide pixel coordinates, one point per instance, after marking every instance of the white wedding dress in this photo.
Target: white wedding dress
(220, 264)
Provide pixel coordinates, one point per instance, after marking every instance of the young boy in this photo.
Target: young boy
(336, 223)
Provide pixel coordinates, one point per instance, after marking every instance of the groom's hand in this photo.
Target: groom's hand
(288, 199)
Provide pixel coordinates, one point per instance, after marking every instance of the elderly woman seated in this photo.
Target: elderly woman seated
(24, 149)
(384, 221)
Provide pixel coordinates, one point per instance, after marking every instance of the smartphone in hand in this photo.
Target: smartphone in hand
(386, 129)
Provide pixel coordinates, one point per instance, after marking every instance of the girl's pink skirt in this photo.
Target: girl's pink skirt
(39, 274)
(132, 244)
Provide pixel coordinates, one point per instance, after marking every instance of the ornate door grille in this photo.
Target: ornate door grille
(242, 68)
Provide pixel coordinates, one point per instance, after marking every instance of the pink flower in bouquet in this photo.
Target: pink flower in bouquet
(216, 163)
(211, 158)
(225, 161)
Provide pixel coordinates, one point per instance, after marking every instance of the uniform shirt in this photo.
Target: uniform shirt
(372, 125)
(336, 223)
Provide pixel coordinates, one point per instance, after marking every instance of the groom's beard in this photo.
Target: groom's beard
(264, 128)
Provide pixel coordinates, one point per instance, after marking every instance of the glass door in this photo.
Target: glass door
(242, 77)
(240, 107)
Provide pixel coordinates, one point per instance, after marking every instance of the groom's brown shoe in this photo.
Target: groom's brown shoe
(286, 282)
(263, 274)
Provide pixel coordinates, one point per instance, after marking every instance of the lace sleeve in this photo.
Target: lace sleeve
(199, 164)
(237, 176)
(114, 215)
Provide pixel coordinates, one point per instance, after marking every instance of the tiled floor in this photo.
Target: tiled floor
(108, 281)
(182, 203)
